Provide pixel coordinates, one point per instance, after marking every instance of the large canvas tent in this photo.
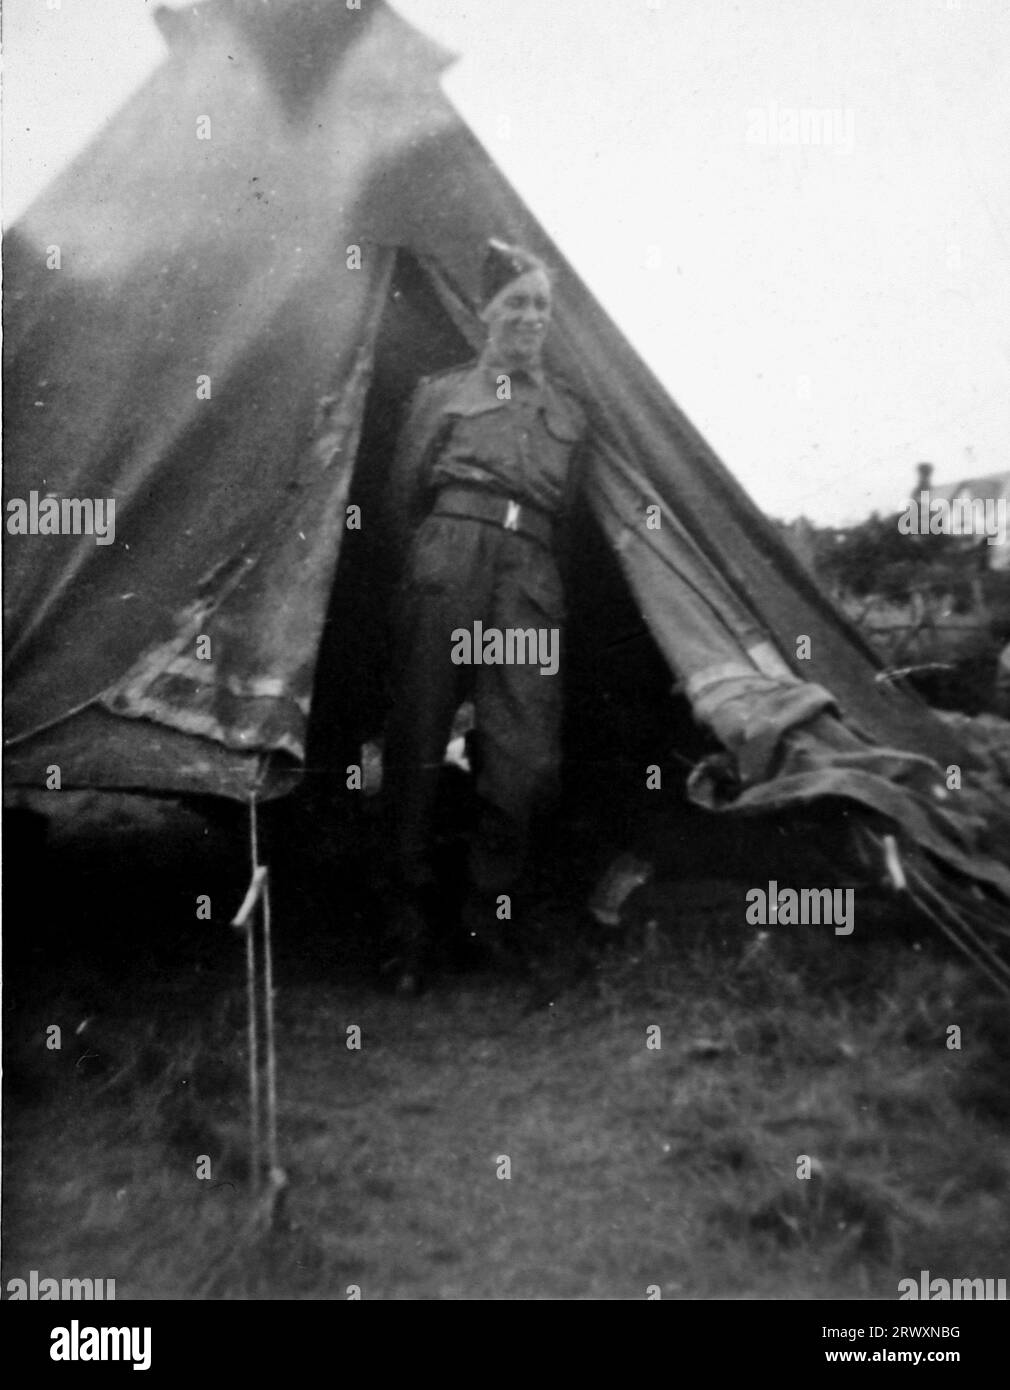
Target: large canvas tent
(215, 317)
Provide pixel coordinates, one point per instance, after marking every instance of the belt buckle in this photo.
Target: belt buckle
(511, 522)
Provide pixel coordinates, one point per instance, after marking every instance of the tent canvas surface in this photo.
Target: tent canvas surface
(226, 349)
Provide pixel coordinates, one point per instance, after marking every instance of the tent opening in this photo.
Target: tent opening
(621, 712)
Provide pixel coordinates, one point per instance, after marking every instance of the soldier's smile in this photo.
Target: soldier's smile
(518, 319)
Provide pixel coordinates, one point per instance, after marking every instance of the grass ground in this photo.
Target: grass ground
(630, 1166)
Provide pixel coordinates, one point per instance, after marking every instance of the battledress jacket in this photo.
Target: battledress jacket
(531, 445)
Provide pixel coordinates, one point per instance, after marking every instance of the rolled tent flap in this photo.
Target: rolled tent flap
(788, 744)
(787, 755)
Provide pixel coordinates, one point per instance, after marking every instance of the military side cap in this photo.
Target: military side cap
(503, 264)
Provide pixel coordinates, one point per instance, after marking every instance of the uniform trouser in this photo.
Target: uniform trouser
(459, 572)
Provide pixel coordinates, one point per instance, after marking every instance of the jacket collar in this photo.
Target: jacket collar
(488, 364)
(477, 388)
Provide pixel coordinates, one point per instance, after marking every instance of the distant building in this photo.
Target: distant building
(993, 486)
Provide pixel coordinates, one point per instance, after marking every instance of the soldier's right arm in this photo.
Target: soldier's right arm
(423, 429)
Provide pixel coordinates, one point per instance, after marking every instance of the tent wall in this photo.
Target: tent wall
(182, 259)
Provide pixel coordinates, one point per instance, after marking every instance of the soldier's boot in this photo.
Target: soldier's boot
(413, 952)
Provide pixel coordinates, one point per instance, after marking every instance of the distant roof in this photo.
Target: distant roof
(992, 485)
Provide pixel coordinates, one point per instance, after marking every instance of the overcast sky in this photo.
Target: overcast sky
(828, 313)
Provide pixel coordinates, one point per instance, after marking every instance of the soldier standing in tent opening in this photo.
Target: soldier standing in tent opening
(483, 482)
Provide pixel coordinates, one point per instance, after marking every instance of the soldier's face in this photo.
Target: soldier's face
(518, 318)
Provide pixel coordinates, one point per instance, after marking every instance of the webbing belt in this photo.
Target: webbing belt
(494, 509)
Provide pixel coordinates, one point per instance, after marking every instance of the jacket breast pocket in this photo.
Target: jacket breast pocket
(557, 442)
(481, 435)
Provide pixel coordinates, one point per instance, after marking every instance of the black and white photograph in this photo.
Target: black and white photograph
(506, 682)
